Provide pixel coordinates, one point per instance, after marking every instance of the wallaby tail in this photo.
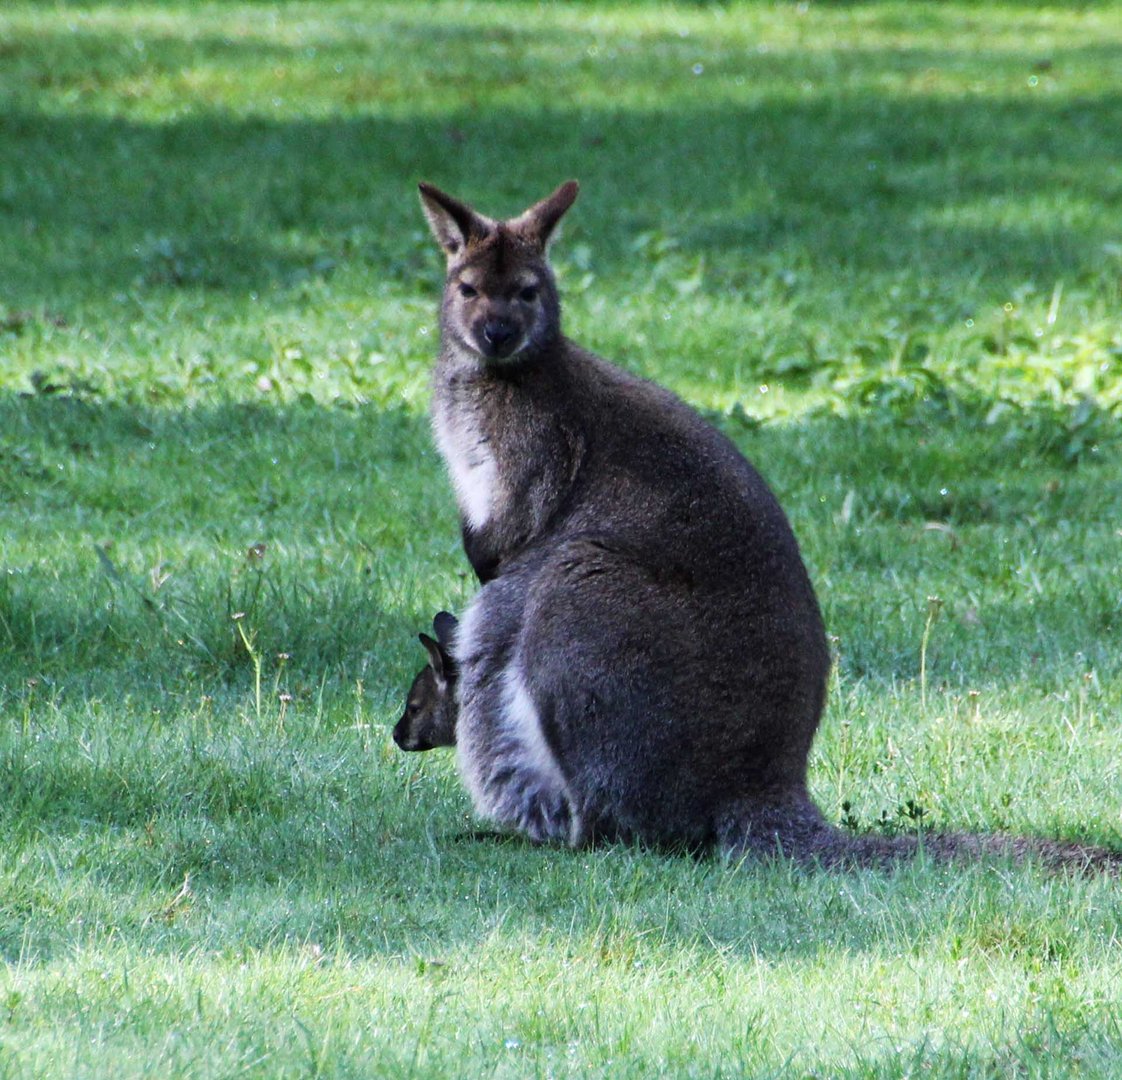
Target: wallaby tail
(794, 828)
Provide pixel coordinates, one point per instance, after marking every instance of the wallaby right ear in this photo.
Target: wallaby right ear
(539, 222)
(453, 223)
(436, 654)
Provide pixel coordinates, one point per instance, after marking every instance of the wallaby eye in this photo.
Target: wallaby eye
(468, 291)
(528, 294)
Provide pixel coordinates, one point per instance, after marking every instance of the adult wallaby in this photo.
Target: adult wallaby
(429, 719)
(646, 658)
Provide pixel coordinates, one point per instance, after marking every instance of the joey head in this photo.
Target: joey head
(429, 719)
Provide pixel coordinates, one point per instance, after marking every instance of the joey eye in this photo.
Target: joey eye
(528, 294)
(468, 291)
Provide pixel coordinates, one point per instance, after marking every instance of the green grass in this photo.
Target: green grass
(879, 243)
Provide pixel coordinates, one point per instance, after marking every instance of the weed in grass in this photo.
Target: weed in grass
(934, 604)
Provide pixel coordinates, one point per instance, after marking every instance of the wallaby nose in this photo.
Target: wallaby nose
(498, 334)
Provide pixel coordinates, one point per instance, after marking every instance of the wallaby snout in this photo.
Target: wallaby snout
(498, 335)
(407, 740)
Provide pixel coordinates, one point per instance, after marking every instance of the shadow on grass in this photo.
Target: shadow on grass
(135, 534)
(978, 194)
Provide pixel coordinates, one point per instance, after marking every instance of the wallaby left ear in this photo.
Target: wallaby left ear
(453, 223)
(539, 222)
(436, 655)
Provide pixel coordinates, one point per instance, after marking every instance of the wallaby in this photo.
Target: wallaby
(646, 658)
(429, 719)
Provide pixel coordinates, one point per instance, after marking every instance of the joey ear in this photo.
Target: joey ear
(444, 624)
(539, 222)
(453, 223)
(436, 654)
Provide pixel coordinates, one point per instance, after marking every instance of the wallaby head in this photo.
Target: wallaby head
(500, 297)
(429, 719)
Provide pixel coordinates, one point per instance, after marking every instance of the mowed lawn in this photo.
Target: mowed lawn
(880, 244)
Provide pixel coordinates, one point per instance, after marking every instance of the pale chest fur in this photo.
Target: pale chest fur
(467, 452)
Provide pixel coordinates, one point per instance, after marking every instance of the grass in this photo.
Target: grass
(877, 242)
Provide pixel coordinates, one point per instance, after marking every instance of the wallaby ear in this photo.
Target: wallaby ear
(452, 222)
(541, 219)
(436, 654)
(444, 624)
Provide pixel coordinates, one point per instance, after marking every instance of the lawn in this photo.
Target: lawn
(880, 244)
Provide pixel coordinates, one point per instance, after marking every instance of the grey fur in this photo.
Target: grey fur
(643, 592)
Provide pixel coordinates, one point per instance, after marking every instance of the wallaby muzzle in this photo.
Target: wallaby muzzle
(498, 338)
(498, 333)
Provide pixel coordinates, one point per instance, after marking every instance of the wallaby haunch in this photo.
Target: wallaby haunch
(646, 658)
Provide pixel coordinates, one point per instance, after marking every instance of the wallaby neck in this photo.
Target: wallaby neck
(459, 364)
(513, 443)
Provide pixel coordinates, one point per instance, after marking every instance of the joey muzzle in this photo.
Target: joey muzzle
(407, 740)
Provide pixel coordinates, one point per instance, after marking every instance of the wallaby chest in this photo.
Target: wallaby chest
(465, 441)
(512, 451)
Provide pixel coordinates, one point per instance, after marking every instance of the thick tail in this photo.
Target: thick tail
(794, 828)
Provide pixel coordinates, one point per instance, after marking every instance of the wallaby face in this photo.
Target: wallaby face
(500, 298)
(429, 719)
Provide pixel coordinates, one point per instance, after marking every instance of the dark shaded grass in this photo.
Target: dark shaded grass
(178, 520)
(274, 203)
(756, 170)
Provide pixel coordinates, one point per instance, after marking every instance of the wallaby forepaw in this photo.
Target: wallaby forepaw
(541, 814)
(546, 818)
